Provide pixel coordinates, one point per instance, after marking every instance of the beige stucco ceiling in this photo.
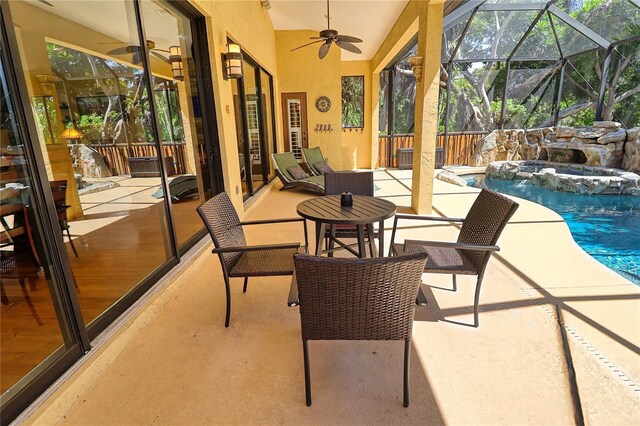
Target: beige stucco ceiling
(369, 20)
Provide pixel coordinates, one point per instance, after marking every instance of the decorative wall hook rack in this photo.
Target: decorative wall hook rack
(323, 128)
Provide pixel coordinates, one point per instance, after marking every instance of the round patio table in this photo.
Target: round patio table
(364, 212)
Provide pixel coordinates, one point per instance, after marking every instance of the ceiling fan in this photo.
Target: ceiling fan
(135, 51)
(329, 36)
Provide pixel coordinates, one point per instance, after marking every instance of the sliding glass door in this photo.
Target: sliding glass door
(37, 330)
(255, 126)
(119, 111)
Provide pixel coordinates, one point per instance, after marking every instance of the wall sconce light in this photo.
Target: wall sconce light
(175, 57)
(233, 61)
(47, 84)
(416, 66)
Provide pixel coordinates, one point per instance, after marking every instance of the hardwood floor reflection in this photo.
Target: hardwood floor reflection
(120, 240)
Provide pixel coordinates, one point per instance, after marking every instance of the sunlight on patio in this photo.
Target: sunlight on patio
(546, 341)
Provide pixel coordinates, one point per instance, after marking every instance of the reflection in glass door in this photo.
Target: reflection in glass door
(30, 309)
(268, 122)
(255, 125)
(180, 116)
(105, 160)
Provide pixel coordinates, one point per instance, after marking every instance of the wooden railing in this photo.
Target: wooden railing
(117, 155)
(460, 147)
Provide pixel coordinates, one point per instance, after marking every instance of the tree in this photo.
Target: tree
(477, 86)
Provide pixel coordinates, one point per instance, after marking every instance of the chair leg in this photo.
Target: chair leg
(246, 281)
(455, 283)
(307, 374)
(405, 391)
(228, 316)
(73, 247)
(331, 242)
(27, 298)
(476, 303)
(3, 295)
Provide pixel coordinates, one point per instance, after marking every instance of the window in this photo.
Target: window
(353, 101)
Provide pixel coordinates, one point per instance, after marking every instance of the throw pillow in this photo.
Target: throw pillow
(322, 167)
(297, 172)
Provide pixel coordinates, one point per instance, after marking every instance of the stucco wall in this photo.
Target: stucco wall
(248, 24)
(303, 71)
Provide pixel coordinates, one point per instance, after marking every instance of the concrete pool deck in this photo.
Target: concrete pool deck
(558, 341)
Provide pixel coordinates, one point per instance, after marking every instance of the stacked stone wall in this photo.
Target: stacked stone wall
(605, 144)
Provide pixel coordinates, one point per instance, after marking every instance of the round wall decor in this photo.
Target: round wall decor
(323, 104)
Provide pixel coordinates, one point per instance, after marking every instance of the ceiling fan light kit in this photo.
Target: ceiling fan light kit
(329, 36)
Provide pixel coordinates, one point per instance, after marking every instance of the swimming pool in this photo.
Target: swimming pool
(605, 226)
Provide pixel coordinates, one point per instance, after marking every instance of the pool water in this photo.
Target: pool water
(605, 226)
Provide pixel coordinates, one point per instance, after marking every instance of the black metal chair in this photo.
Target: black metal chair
(358, 183)
(477, 239)
(236, 257)
(357, 299)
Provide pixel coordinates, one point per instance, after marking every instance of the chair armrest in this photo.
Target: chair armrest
(285, 220)
(417, 217)
(432, 218)
(293, 293)
(459, 246)
(265, 221)
(255, 248)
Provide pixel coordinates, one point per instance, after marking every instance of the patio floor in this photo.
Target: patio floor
(558, 330)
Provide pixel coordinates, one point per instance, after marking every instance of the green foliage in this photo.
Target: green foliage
(353, 101)
(46, 119)
(124, 88)
(169, 114)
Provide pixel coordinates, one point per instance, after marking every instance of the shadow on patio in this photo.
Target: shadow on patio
(557, 343)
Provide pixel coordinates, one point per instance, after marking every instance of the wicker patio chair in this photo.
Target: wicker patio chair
(283, 160)
(357, 299)
(476, 241)
(358, 183)
(311, 157)
(236, 257)
(59, 191)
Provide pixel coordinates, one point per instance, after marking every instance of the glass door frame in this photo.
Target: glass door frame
(273, 119)
(261, 127)
(204, 82)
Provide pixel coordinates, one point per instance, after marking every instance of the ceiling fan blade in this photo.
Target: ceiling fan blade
(349, 39)
(305, 45)
(46, 2)
(122, 50)
(324, 49)
(161, 57)
(348, 46)
(317, 38)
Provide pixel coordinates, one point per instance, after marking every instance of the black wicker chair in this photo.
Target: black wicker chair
(477, 240)
(59, 191)
(236, 257)
(357, 299)
(358, 183)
